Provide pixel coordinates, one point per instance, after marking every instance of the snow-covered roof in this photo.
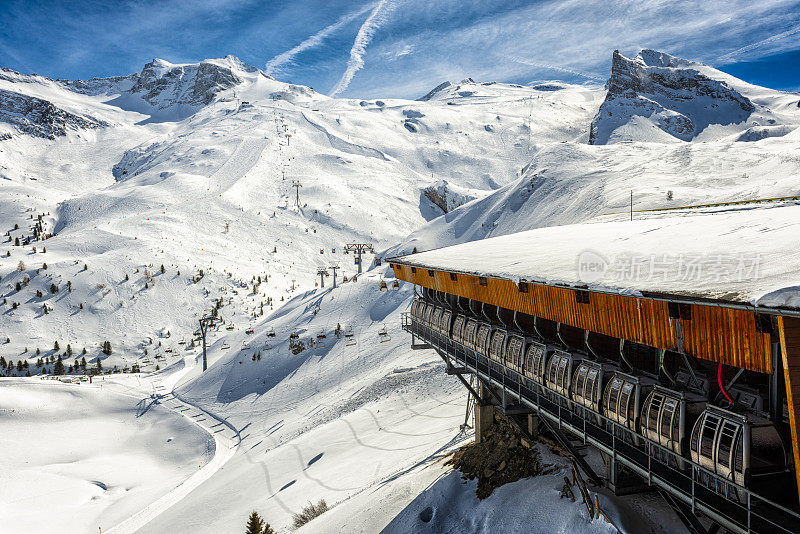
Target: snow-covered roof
(744, 256)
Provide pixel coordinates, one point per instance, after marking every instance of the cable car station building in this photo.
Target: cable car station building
(681, 367)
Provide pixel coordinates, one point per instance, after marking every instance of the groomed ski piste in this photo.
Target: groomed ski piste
(360, 422)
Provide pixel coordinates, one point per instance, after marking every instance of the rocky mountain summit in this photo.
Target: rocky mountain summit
(163, 84)
(655, 90)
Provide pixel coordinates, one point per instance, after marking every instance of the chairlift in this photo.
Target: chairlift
(395, 285)
(345, 279)
(384, 335)
(349, 337)
(271, 332)
(248, 331)
(384, 287)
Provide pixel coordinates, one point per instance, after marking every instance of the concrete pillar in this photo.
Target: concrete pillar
(533, 425)
(484, 414)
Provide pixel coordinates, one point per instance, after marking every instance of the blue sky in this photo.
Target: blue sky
(401, 48)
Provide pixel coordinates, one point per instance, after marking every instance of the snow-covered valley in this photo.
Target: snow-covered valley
(133, 206)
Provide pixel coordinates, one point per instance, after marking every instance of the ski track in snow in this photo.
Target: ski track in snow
(225, 448)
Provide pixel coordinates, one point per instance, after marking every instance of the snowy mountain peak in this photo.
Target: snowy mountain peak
(658, 97)
(164, 85)
(654, 58)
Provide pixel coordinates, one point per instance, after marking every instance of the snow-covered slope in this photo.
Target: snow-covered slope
(192, 167)
(724, 157)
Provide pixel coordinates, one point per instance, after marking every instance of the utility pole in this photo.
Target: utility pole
(321, 273)
(631, 204)
(296, 184)
(358, 249)
(204, 322)
(334, 268)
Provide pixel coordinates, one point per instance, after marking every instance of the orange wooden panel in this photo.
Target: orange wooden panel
(789, 332)
(713, 333)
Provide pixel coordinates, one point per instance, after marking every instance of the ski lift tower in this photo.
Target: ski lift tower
(322, 273)
(334, 268)
(204, 322)
(358, 249)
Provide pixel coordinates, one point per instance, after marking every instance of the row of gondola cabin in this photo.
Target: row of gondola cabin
(741, 448)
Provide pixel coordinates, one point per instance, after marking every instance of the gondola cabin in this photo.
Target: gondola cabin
(497, 346)
(482, 339)
(587, 384)
(558, 376)
(668, 416)
(738, 446)
(623, 397)
(515, 350)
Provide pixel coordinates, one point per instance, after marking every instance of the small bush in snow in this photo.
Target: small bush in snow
(20, 265)
(309, 512)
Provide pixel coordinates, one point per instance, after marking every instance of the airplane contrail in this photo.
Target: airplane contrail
(363, 38)
(530, 63)
(274, 64)
(777, 37)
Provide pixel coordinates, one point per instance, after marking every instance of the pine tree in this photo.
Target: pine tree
(256, 525)
(83, 363)
(2, 362)
(56, 347)
(162, 269)
(107, 348)
(69, 350)
(59, 368)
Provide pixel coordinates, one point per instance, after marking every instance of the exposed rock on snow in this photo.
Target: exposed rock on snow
(39, 117)
(447, 196)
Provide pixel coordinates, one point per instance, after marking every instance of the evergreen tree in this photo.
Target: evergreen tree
(69, 350)
(162, 269)
(59, 368)
(107, 348)
(53, 288)
(256, 525)
(56, 347)
(2, 362)
(19, 366)
(83, 362)
(99, 365)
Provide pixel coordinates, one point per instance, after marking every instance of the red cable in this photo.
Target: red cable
(721, 387)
